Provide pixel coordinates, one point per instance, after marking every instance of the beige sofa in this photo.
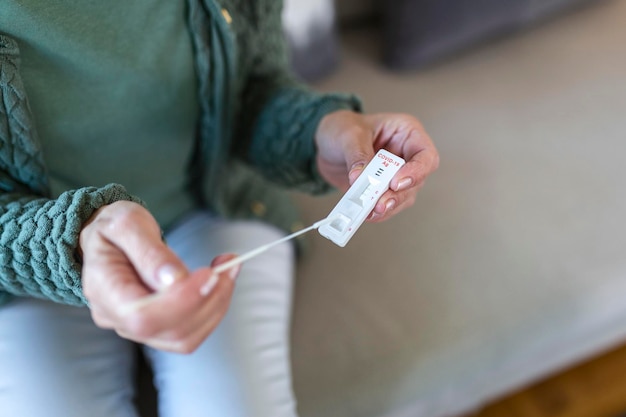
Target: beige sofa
(512, 263)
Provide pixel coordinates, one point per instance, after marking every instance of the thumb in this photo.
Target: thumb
(136, 234)
(156, 264)
(170, 270)
(358, 154)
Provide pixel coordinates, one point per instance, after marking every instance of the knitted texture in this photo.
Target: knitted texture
(39, 237)
(289, 162)
(275, 115)
(279, 114)
(20, 156)
(252, 108)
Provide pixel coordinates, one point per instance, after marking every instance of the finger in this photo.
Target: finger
(392, 203)
(155, 343)
(198, 328)
(147, 316)
(217, 299)
(109, 281)
(100, 318)
(167, 310)
(394, 200)
(232, 272)
(421, 160)
(358, 152)
(184, 346)
(377, 218)
(138, 236)
(201, 333)
(171, 332)
(190, 288)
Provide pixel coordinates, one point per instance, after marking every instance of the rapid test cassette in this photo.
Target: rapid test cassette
(360, 199)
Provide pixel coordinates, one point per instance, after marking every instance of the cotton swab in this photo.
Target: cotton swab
(255, 252)
(205, 289)
(212, 281)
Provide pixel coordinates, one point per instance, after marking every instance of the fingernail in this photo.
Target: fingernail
(390, 204)
(404, 183)
(210, 284)
(356, 169)
(234, 271)
(169, 274)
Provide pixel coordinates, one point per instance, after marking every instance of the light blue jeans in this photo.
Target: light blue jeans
(54, 362)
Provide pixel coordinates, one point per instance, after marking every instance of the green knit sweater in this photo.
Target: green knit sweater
(254, 139)
(98, 83)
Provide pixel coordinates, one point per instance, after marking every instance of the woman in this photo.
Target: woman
(123, 120)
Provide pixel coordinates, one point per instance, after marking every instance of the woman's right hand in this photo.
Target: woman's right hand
(138, 287)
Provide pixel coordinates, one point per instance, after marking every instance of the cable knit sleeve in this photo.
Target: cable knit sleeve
(281, 114)
(39, 238)
(38, 235)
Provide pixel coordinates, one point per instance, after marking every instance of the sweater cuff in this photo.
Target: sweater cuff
(284, 148)
(41, 238)
(81, 205)
(330, 104)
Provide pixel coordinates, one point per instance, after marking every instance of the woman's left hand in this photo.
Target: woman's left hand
(346, 142)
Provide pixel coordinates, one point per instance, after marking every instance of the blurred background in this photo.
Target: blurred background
(502, 292)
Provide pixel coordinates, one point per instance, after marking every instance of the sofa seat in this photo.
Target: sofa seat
(512, 264)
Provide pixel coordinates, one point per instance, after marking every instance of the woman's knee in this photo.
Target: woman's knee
(56, 362)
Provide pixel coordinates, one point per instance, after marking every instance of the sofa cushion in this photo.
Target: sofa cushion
(510, 266)
(418, 32)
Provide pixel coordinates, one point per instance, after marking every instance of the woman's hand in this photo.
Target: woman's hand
(138, 287)
(346, 142)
